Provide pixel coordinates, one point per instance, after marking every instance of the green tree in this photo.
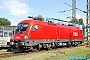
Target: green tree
(78, 21)
(4, 22)
(39, 17)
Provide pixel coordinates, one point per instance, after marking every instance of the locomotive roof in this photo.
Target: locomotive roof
(25, 21)
(47, 23)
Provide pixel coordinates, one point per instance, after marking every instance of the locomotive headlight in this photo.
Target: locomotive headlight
(26, 36)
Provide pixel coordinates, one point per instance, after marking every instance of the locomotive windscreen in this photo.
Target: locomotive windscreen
(21, 27)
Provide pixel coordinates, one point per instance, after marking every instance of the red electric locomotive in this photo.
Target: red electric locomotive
(36, 34)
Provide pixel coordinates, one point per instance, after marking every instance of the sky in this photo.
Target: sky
(18, 10)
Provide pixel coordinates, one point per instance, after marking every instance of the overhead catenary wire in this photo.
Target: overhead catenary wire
(62, 7)
(49, 9)
(58, 12)
(71, 6)
(64, 11)
(42, 8)
(53, 4)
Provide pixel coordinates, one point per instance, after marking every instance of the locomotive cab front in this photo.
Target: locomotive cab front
(20, 33)
(21, 36)
(25, 34)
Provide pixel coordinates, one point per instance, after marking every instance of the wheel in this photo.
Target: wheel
(74, 44)
(36, 48)
(68, 44)
(39, 46)
(80, 42)
(53, 45)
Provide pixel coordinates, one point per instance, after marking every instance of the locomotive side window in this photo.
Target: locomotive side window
(22, 27)
(35, 27)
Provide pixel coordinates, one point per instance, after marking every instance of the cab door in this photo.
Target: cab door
(57, 32)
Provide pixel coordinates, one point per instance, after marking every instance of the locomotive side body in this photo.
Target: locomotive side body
(35, 34)
(45, 31)
(64, 33)
(76, 34)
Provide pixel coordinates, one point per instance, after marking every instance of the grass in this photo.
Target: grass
(60, 54)
(3, 51)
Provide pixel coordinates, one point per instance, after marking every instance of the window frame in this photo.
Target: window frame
(35, 29)
(21, 26)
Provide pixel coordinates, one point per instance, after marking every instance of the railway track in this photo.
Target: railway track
(5, 55)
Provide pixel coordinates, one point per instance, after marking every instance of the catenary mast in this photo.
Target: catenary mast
(74, 11)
